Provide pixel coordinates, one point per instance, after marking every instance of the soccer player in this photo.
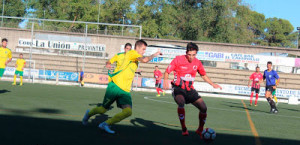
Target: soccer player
(20, 64)
(119, 88)
(158, 76)
(5, 56)
(271, 76)
(256, 79)
(119, 58)
(185, 68)
(81, 77)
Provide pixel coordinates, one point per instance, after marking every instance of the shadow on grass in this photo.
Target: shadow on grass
(4, 91)
(290, 109)
(250, 108)
(17, 130)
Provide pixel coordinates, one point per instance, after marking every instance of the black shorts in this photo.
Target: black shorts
(255, 90)
(270, 88)
(189, 96)
(81, 78)
(157, 85)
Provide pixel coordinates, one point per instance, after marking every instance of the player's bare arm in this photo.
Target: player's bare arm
(207, 79)
(166, 77)
(146, 59)
(277, 83)
(249, 82)
(8, 61)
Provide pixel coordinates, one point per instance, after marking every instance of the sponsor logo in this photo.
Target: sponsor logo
(195, 67)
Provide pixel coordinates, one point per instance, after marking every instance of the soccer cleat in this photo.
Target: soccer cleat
(14, 84)
(21, 84)
(255, 105)
(163, 93)
(185, 133)
(272, 110)
(104, 126)
(86, 117)
(199, 132)
(250, 104)
(275, 111)
(158, 95)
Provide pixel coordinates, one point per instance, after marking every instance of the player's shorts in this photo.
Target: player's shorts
(189, 96)
(270, 88)
(20, 73)
(2, 71)
(81, 78)
(274, 92)
(114, 93)
(157, 85)
(256, 90)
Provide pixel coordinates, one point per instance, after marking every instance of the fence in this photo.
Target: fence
(53, 38)
(61, 52)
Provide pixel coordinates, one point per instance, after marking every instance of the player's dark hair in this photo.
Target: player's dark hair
(140, 43)
(191, 47)
(21, 54)
(257, 67)
(127, 44)
(269, 62)
(4, 39)
(156, 66)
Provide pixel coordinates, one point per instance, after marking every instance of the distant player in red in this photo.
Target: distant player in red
(256, 79)
(158, 76)
(185, 68)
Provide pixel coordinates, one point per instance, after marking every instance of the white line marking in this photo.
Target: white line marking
(256, 113)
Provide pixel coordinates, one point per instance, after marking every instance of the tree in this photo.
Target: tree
(279, 32)
(13, 8)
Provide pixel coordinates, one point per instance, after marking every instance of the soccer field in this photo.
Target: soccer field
(48, 114)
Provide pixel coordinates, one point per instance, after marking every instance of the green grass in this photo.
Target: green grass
(48, 114)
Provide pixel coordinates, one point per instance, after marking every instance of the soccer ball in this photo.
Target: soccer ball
(208, 134)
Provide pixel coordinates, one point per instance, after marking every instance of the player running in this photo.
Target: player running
(5, 56)
(158, 76)
(119, 88)
(185, 67)
(20, 64)
(271, 76)
(256, 79)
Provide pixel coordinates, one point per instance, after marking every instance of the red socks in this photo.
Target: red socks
(256, 99)
(159, 90)
(251, 97)
(181, 115)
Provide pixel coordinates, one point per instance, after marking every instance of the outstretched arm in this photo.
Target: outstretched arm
(249, 82)
(207, 79)
(166, 77)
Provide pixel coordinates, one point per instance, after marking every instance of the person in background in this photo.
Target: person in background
(81, 77)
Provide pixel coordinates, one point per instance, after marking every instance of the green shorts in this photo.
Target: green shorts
(274, 92)
(20, 73)
(114, 93)
(2, 71)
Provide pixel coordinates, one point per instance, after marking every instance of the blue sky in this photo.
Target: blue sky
(285, 9)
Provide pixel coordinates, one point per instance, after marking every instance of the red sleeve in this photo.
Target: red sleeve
(172, 65)
(201, 69)
(251, 77)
